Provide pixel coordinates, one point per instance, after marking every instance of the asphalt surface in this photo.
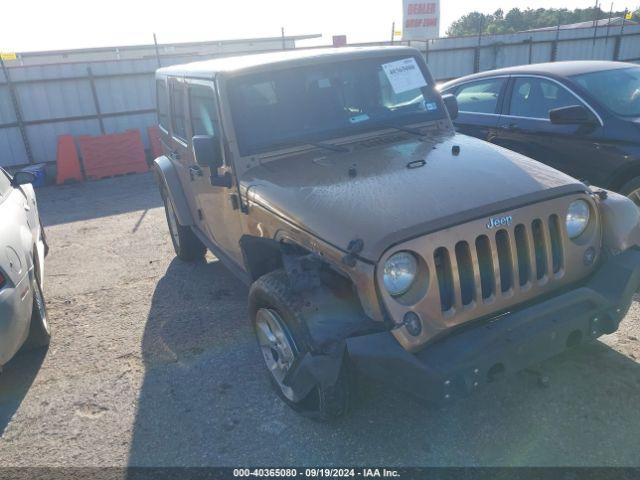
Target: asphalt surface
(153, 362)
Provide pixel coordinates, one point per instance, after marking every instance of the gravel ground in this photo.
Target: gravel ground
(153, 363)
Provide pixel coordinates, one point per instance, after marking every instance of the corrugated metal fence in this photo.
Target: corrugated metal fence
(89, 98)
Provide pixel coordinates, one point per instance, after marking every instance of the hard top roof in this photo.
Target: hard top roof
(245, 62)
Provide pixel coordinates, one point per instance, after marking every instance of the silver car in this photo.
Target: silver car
(23, 314)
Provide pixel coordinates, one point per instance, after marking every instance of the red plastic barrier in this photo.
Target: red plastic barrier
(115, 154)
(154, 141)
(67, 161)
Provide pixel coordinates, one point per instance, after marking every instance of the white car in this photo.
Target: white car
(23, 314)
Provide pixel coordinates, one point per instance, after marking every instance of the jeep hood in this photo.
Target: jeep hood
(386, 195)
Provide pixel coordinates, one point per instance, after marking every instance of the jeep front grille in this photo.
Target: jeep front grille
(495, 263)
(474, 271)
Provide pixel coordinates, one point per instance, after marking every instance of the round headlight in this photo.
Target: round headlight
(577, 218)
(399, 273)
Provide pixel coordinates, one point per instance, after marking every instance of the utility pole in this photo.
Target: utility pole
(284, 45)
(606, 41)
(393, 31)
(596, 16)
(155, 42)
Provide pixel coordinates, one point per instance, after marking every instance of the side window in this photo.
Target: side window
(202, 105)
(534, 97)
(481, 96)
(163, 105)
(178, 122)
(5, 185)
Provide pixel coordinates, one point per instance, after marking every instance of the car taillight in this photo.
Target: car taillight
(2, 280)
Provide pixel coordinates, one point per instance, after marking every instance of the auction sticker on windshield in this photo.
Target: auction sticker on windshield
(404, 75)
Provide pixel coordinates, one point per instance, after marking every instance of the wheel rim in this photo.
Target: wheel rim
(42, 309)
(635, 196)
(277, 346)
(171, 220)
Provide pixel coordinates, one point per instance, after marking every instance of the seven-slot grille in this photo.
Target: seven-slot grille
(499, 263)
(489, 265)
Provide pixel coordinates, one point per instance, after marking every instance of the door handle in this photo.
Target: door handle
(195, 171)
(27, 207)
(174, 155)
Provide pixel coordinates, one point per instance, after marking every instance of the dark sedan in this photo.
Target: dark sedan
(581, 117)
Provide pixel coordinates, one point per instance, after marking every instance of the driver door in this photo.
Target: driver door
(218, 204)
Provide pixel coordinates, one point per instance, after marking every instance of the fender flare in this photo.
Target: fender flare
(166, 173)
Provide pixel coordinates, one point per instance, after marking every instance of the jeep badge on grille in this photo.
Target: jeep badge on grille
(495, 222)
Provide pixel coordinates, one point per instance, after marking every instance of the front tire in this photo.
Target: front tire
(283, 338)
(631, 189)
(39, 329)
(187, 246)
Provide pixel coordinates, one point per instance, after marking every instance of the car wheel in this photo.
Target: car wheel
(632, 190)
(187, 246)
(39, 329)
(282, 337)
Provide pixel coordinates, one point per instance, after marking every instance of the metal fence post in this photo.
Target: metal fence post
(17, 111)
(616, 47)
(554, 51)
(96, 103)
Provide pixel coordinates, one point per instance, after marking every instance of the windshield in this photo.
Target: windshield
(618, 90)
(311, 103)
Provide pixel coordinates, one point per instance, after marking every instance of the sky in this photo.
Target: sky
(29, 25)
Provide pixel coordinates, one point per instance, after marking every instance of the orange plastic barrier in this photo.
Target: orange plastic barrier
(154, 141)
(110, 155)
(67, 161)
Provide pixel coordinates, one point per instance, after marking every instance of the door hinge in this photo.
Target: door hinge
(200, 214)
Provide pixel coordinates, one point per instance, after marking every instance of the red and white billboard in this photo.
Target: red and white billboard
(421, 19)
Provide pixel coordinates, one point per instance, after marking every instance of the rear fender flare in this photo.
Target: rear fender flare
(166, 173)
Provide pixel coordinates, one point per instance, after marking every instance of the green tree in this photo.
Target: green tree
(516, 20)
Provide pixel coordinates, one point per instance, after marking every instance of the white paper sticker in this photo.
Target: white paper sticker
(324, 83)
(404, 75)
(431, 106)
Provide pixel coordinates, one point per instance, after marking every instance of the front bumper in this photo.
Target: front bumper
(458, 364)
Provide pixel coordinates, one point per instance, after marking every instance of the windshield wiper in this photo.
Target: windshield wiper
(413, 131)
(329, 146)
(326, 146)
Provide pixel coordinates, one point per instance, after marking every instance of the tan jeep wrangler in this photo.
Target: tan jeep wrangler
(375, 239)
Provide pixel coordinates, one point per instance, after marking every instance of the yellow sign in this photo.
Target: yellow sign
(397, 33)
(8, 56)
(629, 16)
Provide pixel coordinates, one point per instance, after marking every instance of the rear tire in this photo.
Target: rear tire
(631, 189)
(39, 329)
(272, 298)
(187, 246)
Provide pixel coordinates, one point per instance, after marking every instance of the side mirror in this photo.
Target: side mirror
(571, 115)
(23, 178)
(451, 104)
(207, 152)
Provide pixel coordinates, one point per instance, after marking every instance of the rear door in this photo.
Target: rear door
(525, 126)
(179, 149)
(479, 103)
